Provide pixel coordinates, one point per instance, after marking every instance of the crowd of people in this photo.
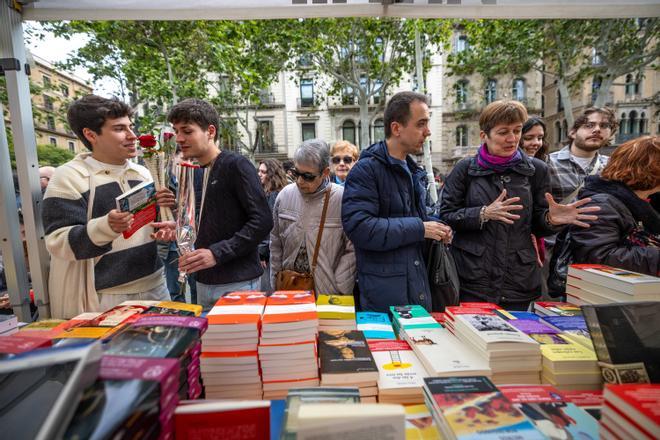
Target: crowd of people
(343, 221)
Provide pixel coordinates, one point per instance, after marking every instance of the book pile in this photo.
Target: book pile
(229, 362)
(599, 284)
(443, 355)
(357, 421)
(174, 337)
(472, 408)
(630, 411)
(336, 312)
(573, 328)
(400, 374)
(223, 420)
(550, 412)
(302, 396)
(132, 398)
(8, 325)
(16, 344)
(468, 308)
(566, 364)
(411, 317)
(375, 325)
(346, 361)
(625, 336)
(287, 345)
(555, 308)
(589, 400)
(512, 356)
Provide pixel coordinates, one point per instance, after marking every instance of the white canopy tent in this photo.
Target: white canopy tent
(14, 64)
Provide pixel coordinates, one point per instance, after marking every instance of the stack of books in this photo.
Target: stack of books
(631, 412)
(173, 337)
(513, 357)
(346, 361)
(8, 325)
(556, 308)
(217, 419)
(336, 312)
(472, 407)
(443, 355)
(410, 317)
(375, 325)
(17, 344)
(357, 421)
(550, 412)
(468, 308)
(229, 362)
(302, 396)
(572, 327)
(46, 328)
(400, 373)
(287, 345)
(132, 398)
(600, 284)
(625, 336)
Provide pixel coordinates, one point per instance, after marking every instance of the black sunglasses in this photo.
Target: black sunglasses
(308, 177)
(346, 159)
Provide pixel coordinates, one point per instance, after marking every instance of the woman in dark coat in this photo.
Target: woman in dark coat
(494, 201)
(627, 233)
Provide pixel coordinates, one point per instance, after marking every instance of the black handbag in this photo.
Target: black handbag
(562, 257)
(443, 276)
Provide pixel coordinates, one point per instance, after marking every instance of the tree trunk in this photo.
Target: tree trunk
(565, 97)
(363, 101)
(604, 90)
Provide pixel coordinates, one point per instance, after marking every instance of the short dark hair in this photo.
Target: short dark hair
(91, 111)
(398, 109)
(584, 118)
(532, 122)
(197, 111)
(501, 112)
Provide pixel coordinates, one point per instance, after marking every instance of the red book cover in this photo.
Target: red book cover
(290, 306)
(584, 397)
(452, 311)
(639, 403)
(439, 317)
(17, 344)
(480, 305)
(238, 308)
(223, 420)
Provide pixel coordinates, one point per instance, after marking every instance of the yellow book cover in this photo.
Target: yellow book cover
(420, 424)
(45, 324)
(335, 307)
(568, 351)
(195, 308)
(579, 338)
(85, 332)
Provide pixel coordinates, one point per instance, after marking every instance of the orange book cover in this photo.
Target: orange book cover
(238, 308)
(290, 306)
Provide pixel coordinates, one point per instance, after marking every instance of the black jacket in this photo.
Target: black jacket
(235, 219)
(606, 241)
(497, 261)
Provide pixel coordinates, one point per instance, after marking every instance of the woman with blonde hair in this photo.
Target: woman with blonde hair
(627, 232)
(343, 156)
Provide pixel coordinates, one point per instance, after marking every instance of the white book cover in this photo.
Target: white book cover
(398, 366)
(445, 355)
(492, 329)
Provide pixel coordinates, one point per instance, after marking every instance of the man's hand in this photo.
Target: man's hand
(197, 260)
(437, 231)
(164, 231)
(119, 221)
(165, 198)
(500, 209)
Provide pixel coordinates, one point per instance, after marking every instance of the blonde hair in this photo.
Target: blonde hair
(345, 145)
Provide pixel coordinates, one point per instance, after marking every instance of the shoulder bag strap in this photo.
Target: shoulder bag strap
(594, 170)
(326, 199)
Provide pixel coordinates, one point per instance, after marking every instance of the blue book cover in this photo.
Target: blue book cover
(565, 323)
(524, 315)
(276, 418)
(375, 325)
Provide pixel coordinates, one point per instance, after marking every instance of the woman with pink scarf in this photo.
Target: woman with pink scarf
(494, 201)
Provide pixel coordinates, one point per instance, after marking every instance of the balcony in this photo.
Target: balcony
(266, 99)
(305, 103)
(459, 152)
(469, 106)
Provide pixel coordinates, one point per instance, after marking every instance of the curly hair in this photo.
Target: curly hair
(584, 118)
(636, 164)
(275, 176)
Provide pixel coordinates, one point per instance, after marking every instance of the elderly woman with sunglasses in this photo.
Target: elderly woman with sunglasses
(343, 156)
(297, 216)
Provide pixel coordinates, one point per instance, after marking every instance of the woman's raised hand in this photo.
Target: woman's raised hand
(500, 209)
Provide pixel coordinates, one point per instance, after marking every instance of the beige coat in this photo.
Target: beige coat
(297, 216)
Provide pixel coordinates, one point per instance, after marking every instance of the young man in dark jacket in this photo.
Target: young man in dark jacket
(384, 213)
(234, 216)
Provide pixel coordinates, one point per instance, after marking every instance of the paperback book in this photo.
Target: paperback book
(375, 325)
(141, 202)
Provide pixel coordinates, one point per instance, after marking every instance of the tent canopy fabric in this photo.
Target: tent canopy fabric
(271, 9)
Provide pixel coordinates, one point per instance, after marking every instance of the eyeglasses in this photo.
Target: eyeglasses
(602, 125)
(346, 159)
(307, 177)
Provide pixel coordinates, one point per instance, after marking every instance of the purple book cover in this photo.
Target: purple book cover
(529, 327)
(200, 324)
(564, 323)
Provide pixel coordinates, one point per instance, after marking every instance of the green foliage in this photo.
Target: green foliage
(47, 155)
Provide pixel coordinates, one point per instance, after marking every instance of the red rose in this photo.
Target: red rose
(147, 141)
(168, 135)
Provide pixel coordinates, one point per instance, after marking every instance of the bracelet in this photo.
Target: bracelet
(482, 216)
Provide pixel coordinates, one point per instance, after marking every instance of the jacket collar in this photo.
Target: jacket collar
(525, 167)
(379, 152)
(86, 168)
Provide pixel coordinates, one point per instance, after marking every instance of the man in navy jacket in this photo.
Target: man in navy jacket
(384, 212)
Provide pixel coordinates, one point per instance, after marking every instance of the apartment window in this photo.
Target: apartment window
(72, 146)
(642, 123)
(596, 82)
(48, 103)
(564, 129)
(265, 140)
(308, 130)
(633, 123)
(379, 130)
(560, 104)
(228, 135)
(558, 131)
(596, 59)
(378, 91)
(50, 123)
(518, 89)
(307, 92)
(348, 131)
(347, 96)
(491, 91)
(623, 124)
(632, 85)
(461, 92)
(65, 89)
(461, 136)
(46, 81)
(52, 141)
(462, 44)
